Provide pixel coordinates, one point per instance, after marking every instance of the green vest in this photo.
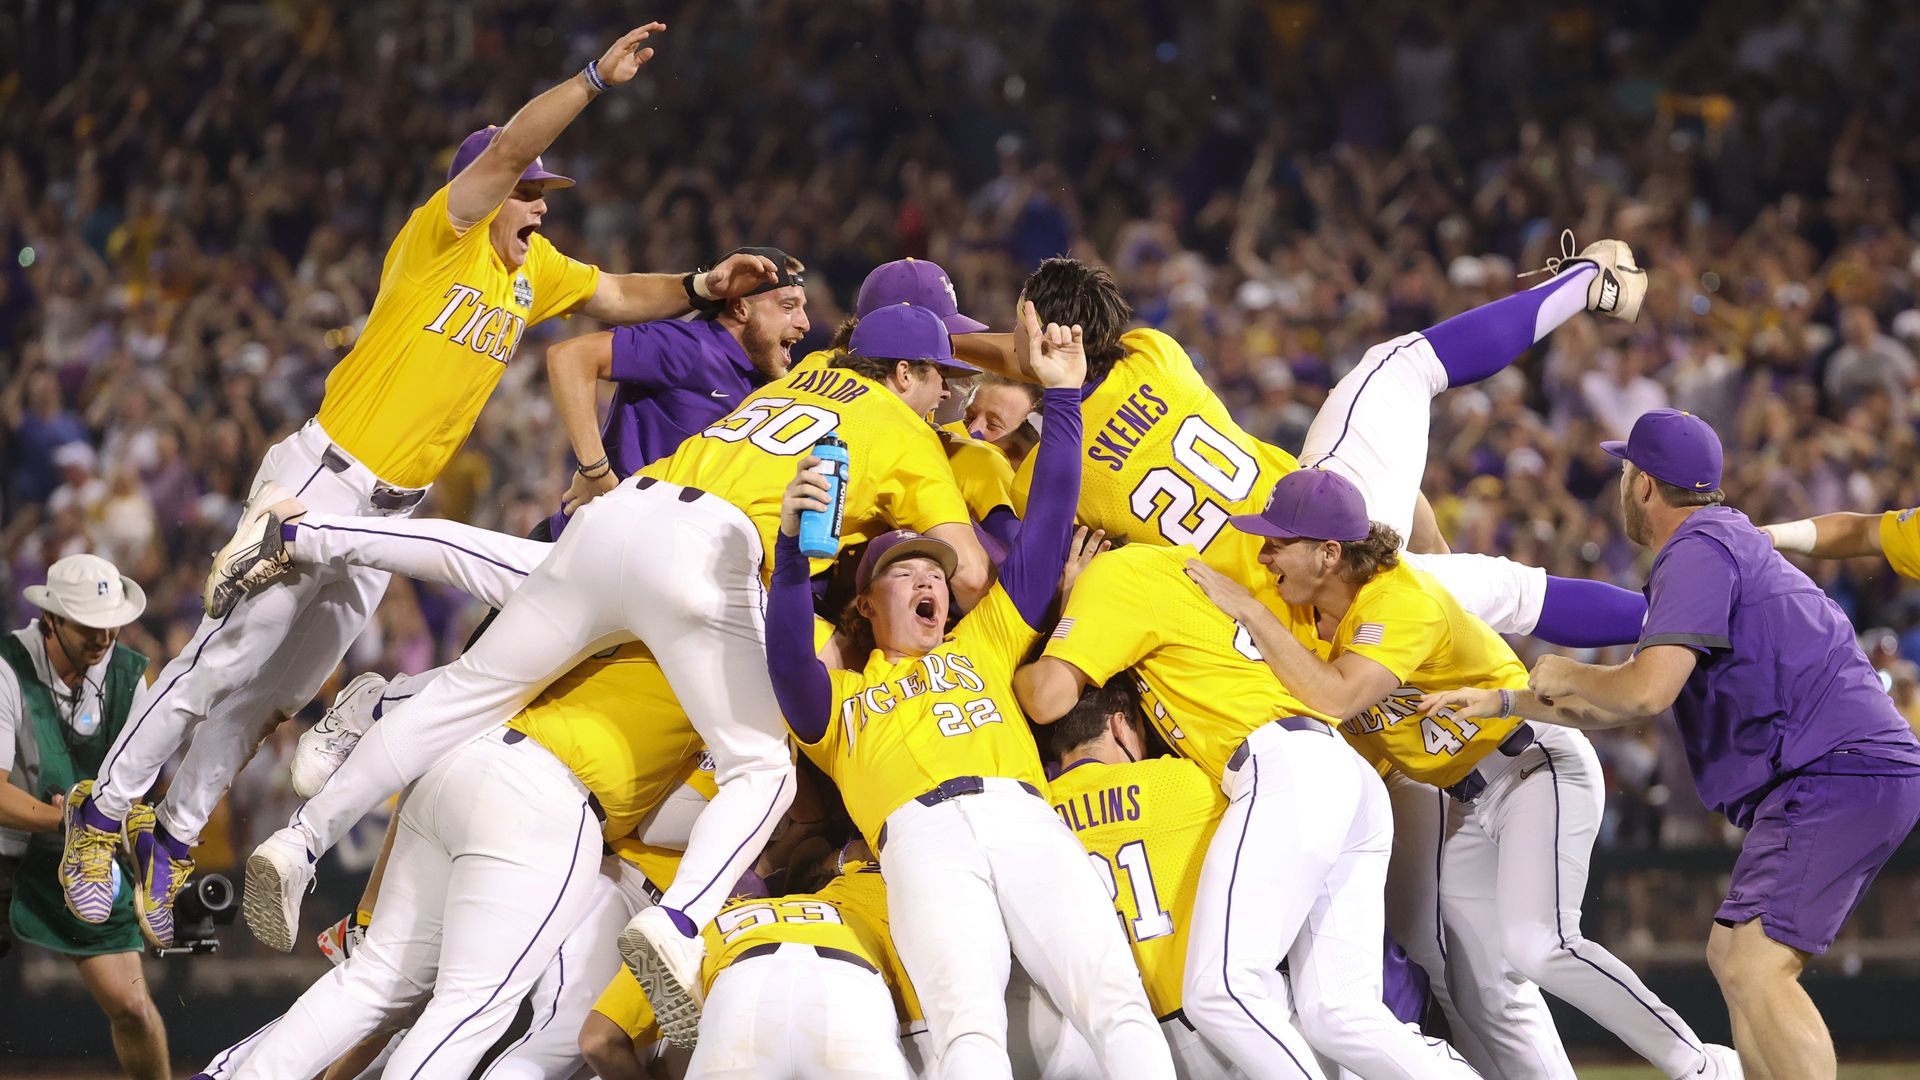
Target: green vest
(64, 758)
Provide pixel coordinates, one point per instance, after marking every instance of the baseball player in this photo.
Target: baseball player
(462, 281)
(1786, 728)
(942, 777)
(1894, 534)
(1297, 867)
(1513, 872)
(1166, 464)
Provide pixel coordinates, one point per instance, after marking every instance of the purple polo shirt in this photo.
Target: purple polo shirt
(1781, 686)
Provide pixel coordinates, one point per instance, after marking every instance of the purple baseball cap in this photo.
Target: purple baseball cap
(890, 548)
(1311, 503)
(918, 282)
(905, 332)
(471, 146)
(1673, 446)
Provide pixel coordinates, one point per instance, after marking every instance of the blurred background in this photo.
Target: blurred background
(195, 199)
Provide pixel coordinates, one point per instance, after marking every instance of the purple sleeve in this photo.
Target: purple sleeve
(1002, 524)
(1690, 597)
(800, 682)
(1031, 574)
(661, 354)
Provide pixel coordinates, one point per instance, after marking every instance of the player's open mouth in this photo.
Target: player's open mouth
(526, 233)
(924, 610)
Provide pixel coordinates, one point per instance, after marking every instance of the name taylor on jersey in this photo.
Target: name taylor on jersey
(1126, 427)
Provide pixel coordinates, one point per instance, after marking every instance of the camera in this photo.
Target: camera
(206, 902)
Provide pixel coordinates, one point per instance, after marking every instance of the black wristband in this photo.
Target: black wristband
(589, 471)
(686, 282)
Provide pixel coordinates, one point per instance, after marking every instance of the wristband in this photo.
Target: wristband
(592, 72)
(1506, 704)
(589, 472)
(1798, 537)
(694, 282)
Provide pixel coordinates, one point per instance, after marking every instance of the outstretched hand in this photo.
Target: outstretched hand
(1086, 544)
(1056, 354)
(738, 275)
(624, 58)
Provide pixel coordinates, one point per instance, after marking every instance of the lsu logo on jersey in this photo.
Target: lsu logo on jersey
(1397, 706)
(523, 291)
(487, 330)
(939, 673)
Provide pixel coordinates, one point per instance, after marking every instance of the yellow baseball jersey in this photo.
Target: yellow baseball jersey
(444, 324)
(898, 476)
(1900, 541)
(1406, 622)
(624, 1003)
(981, 469)
(1163, 463)
(1147, 825)
(615, 721)
(1206, 685)
(902, 727)
(849, 913)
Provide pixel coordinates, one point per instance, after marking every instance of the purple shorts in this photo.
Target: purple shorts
(1816, 843)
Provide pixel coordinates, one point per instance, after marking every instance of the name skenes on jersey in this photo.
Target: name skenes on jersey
(1406, 622)
(901, 728)
(898, 477)
(446, 320)
(1900, 541)
(1163, 463)
(1207, 686)
(1146, 825)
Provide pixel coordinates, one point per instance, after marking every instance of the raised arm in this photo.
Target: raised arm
(1829, 536)
(800, 681)
(1031, 573)
(632, 298)
(482, 186)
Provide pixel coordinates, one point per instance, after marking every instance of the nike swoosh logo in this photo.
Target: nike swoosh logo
(718, 394)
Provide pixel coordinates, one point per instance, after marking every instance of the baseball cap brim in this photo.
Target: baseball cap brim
(1616, 448)
(921, 547)
(551, 179)
(961, 324)
(956, 365)
(1257, 525)
(132, 603)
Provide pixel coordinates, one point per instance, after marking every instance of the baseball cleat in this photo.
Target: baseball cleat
(324, 746)
(342, 939)
(255, 556)
(278, 874)
(1721, 1063)
(667, 965)
(158, 875)
(87, 876)
(1617, 289)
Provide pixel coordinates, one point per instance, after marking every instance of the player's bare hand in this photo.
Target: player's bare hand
(624, 58)
(740, 274)
(1086, 544)
(808, 491)
(1465, 702)
(1055, 354)
(585, 489)
(1227, 594)
(1553, 676)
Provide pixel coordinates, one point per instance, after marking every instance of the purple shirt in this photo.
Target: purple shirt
(1781, 686)
(672, 379)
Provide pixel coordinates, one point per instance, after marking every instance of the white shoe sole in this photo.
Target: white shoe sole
(673, 1006)
(271, 918)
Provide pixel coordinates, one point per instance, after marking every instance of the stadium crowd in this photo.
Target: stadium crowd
(190, 246)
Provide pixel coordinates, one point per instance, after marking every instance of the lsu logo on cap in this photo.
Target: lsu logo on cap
(100, 587)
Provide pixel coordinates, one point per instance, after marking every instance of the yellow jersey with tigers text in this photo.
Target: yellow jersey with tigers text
(849, 913)
(1206, 687)
(1900, 541)
(1163, 462)
(900, 728)
(444, 324)
(897, 473)
(1146, 825)
(1408, 623)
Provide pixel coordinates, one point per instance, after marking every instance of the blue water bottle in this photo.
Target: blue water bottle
(820, 529)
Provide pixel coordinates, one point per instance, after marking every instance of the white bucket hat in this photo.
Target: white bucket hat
(88, 590)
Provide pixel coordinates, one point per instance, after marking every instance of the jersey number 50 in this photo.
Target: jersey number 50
(1173, 502)
(776, 425)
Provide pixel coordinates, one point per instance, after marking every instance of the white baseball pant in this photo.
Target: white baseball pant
(243, 673)
(1373, 430)
(670, 566)
(495, 863)
(1044, 1045)
(1512, 877)
(977, 880)
(1297, 870)
(1423, 819)
(793, 1014)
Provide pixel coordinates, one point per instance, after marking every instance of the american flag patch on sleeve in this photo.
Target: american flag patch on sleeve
(1060, 632)
(1368, 633)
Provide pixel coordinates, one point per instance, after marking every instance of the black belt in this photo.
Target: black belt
(953, 789)
(687, 494)
(822, 951)
(515, 735)
(1469, 787)
(1291, 723)
(385, 497)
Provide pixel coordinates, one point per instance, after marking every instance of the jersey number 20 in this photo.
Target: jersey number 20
(1174, 504)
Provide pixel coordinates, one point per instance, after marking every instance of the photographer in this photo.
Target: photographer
(66, 689)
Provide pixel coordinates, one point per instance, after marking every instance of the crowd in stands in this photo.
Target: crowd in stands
(187, 247)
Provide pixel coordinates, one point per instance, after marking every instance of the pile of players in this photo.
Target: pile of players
(806, 800)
